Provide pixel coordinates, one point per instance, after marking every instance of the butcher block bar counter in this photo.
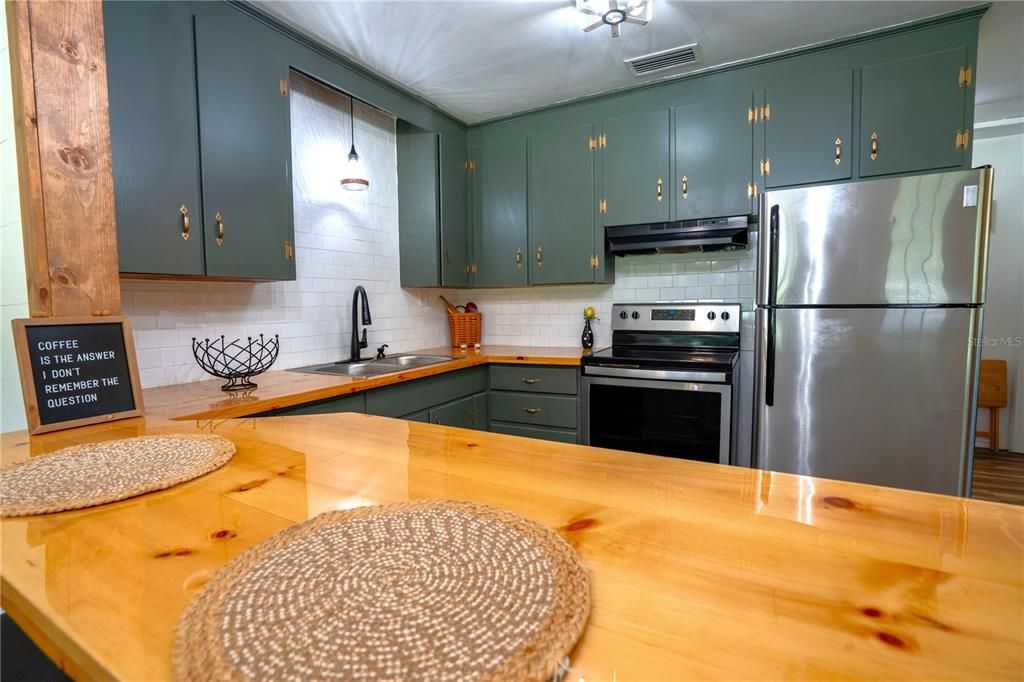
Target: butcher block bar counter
(698, 571)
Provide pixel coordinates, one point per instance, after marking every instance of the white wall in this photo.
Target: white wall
(1004, 305)
(13, 291)
(341, 239)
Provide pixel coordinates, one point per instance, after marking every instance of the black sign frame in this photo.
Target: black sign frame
(32, 392)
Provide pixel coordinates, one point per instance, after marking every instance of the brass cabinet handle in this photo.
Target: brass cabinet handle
(519, 258)
(540, 257)
(685, 192)
(659, 189)
(531, 382)
(472, 417)
(874, 145)
(531, 410)
(220, 227)
(185, 222)
(839, 150)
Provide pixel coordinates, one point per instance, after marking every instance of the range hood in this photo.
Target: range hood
(681, 236)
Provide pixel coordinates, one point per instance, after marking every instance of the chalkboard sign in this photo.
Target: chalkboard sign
(77, 371)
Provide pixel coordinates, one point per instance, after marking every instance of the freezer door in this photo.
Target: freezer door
(882, 396)
(912, 240)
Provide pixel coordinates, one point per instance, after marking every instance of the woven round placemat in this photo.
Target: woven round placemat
(426, 590)
(97, 473)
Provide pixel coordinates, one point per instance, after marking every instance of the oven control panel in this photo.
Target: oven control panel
(676, 317)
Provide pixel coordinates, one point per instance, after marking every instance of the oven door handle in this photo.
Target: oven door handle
(656, 374)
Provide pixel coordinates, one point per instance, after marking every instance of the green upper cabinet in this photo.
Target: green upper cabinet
(418, 211)
(562, 206)
(808, 131)
(713, 152)
(245, 142)
(636, 159)
(912, 113)
(154, 137)
(454, 221)
(499, 213)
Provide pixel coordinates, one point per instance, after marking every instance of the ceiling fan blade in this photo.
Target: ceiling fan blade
(634, 20)
(587, 10)
(597, 24)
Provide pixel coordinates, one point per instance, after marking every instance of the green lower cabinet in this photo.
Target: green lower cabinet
(538, 432)
(245, 145)
(636, 168)
(562, 206)
(409, 397)
(421, 416)
(714, 143)
(350, 403)
(499, 213)
(808, 131)
(535, 409)
(463, 413)
(911, 113)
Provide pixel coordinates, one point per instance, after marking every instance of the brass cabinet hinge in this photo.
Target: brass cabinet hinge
(966, 74)
(282, 83)
(963, 138)
(289, 251)
(602, 141)
(602, 206)
(594, 262)
(766, 167)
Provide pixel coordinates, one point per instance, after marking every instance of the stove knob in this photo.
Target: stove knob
(711, 316)
(636, 315)
(725, 315)
(623, 314)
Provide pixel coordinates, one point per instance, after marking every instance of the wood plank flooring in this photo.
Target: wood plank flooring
(998, 476)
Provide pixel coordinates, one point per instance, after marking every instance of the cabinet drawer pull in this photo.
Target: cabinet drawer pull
(540, 257)
(839, 150)
(874, 145)
(659, 189)
(220, 227)
(531, 410)
(685, 192)
(185, 222)
(519, 258)
(531, 382)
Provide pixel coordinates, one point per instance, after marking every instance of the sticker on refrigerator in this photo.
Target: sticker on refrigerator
(970, 195)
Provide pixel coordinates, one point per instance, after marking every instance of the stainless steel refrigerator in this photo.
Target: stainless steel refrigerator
(869, 312)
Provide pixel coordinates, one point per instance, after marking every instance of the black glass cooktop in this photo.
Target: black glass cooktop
(676, 358)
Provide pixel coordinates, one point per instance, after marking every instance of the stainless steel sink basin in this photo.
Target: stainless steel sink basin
(370, 368)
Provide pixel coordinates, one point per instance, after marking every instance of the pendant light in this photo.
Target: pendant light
(354, 180)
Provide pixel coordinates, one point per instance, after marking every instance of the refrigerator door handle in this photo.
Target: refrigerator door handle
(769, 361)
(773, 254)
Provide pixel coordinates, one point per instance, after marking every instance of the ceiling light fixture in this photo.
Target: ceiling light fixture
(356, 180)
(614, 13)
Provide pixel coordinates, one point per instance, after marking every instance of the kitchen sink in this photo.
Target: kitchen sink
(370, 368)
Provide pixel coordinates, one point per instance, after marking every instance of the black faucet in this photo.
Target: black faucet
(359, 343)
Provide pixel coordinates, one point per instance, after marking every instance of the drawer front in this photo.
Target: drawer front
(540, 432)
(536, 409)
(421, 416)
(535, 379)
(350, 403)
(420, 394)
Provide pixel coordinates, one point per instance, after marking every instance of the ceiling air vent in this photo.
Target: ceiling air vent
(666, 59)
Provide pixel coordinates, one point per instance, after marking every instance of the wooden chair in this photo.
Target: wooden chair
(992, 394)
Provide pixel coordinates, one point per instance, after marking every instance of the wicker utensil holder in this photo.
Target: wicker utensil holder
(465, 328)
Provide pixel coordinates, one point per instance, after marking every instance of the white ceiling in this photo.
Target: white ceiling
(483, 59)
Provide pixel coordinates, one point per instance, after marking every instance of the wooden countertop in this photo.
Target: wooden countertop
(283, 388)
(699, 570)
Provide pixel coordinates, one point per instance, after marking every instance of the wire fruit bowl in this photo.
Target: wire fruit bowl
(236, 361)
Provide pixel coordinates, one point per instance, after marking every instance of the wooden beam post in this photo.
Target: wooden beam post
(62, 135)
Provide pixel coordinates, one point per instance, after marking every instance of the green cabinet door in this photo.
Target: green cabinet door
(911, 112)
(481, 420)
(454, 219)
(459, 413)
(154, 137)
(418, 210)
(714, 143)
(562, 206)
(636, 165)
(245, 145)
(808, 131)
(499, 213)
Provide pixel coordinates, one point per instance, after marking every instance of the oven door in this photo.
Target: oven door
(687, 420)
